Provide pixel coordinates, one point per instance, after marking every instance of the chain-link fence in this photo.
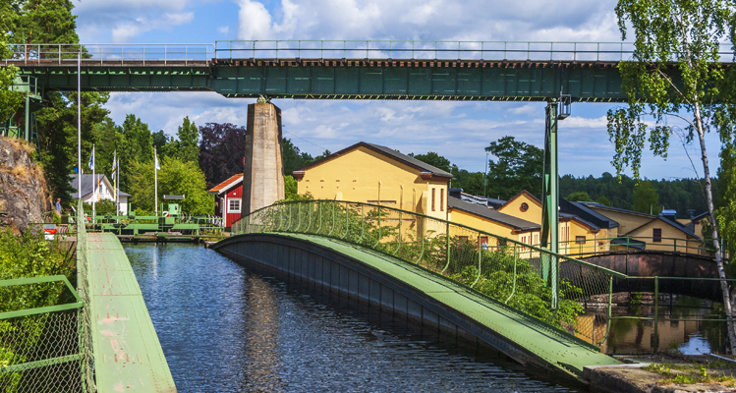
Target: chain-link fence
(576, 297)
(45, 332)
(39, 340)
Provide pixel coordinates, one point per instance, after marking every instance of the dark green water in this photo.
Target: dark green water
(226, 329)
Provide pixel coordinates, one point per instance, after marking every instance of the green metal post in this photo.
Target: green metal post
(27, 125)
(480, 259)
(550, 201)
(655, 337)
(447, 246)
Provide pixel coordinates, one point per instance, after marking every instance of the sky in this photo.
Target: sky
(457, 130)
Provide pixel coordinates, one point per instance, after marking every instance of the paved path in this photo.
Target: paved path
(559, 349)
(128, 356)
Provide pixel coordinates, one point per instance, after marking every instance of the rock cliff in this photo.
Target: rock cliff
(24, 196)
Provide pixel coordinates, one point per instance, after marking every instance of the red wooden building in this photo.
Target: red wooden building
(228, 199)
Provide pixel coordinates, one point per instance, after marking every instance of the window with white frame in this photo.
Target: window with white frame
(233, 205)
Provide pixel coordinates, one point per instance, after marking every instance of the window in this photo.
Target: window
(524, 207)
(580, 239)
(442, 199)
(433, 190)
(657, 235)
(484, 242)
(233, 205)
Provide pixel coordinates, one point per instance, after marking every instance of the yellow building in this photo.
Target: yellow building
(492, 221)
(580, 231)
(365, 172)
(660, 233)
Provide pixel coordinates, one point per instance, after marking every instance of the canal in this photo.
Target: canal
(226, 329)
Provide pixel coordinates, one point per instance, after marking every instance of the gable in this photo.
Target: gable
(524, 205)
(668, 230)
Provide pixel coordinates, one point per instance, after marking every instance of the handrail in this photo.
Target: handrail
(204, 53)
(383, 207)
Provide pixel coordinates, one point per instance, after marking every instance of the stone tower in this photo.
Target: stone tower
(263, 178)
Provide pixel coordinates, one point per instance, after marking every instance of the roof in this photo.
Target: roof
(682, 228)
(587, 214)
(225, 185)
(493, 215)
(490, 202)
(615, 209)
(88, 182)
(387, 151)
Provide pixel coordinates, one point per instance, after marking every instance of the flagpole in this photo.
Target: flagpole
(114, 182)
(79, 127)
(155, 181)
(94, 186)
(117, 191)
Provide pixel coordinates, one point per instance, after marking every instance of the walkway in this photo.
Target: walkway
(558, 349)
(128, 356)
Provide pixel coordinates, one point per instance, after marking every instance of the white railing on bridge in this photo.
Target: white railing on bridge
(137, 54)
(192, 54)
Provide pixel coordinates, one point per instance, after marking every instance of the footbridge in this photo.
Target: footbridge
(440, 274)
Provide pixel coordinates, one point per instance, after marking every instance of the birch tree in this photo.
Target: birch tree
(675, 73)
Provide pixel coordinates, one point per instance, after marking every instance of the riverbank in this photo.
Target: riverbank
(665, 373)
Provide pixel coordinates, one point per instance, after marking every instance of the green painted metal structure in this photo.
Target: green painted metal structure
(127, 354)
(551, 348)
(503, 272)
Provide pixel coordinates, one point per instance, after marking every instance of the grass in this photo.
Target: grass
(688, 373)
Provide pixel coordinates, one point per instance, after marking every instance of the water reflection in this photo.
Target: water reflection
(681, 324)
(262, 326)
(224, 329)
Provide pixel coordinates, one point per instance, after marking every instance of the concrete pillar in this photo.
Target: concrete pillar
(263, 178)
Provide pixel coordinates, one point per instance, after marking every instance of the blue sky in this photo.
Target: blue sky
(457, 130)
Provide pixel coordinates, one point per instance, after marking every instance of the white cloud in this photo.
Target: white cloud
(224, 29)
(254, 19)
(577, 20)
(125, 20)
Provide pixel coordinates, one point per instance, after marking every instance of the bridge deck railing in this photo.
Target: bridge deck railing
(203, 53)
(501, 268)
(632, 244)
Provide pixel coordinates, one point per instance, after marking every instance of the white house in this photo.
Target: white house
(104, 190)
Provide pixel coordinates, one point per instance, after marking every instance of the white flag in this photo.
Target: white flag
(91, 163)
(155, 158)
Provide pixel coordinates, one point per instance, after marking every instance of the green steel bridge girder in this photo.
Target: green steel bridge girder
(349, 79)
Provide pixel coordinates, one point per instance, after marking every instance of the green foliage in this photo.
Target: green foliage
(646, 199)
(726, 213)
(39, 21)
(292, 157)
(102, 208)
(578, 196)
(684, 195)
(186, 149)
(394, 233)
(9, 100)
(603, 200)
(518, 166)
(29, 255)
(290, 190)
(506, 275)
(175, 177)
(435, 160)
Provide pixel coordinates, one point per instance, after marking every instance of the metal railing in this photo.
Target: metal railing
(500, 268)
(434, 50)
(111, 54)
(202, 53)
(45, 343)
(632, 244)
